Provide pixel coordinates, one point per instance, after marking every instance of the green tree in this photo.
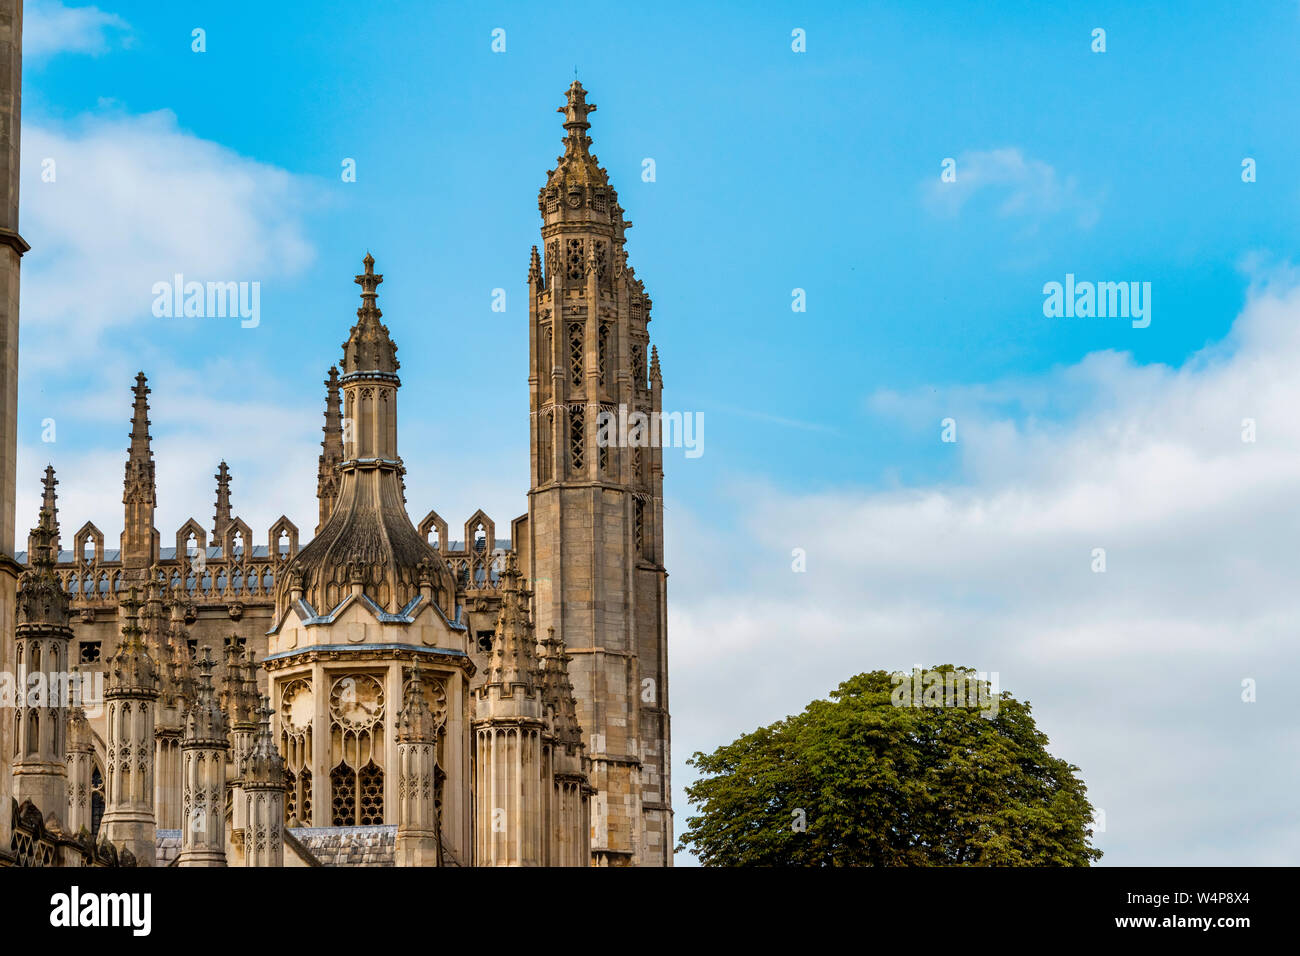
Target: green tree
(860, 780)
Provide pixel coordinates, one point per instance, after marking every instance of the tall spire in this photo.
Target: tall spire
(221, 520)
(139, 492)
(140, 438)
(327, 476)
(50, 503)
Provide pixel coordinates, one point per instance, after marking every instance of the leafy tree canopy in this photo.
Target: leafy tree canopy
(876, 777)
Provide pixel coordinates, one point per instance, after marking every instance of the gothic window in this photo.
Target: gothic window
(610, 415)
(480, 538)
(552, 258)
(297, 710)
(193, 645)
(90, 651)
(600, 260)
(638, 525)
(96, 799)
(484, 639)
(290, 797)
(638, 365)
(546, 361)
(371, 784)
(304, 799)
(603, 350)
(544, 436)
(636, 465)
(356, 740)
(343, 792)
(576, 357)
(575, 438)
(577, 269)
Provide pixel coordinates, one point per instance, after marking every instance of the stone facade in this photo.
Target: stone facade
(382, 695)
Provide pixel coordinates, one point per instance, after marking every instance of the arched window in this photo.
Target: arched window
(576, 356)
(576, 438)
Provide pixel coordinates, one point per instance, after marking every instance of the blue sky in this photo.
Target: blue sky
(775, 170)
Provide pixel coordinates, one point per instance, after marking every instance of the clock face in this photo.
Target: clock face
(297, 706)
(357, 701)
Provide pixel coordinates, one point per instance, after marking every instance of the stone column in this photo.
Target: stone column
(203, 776)
(81, 764)
(418, 825)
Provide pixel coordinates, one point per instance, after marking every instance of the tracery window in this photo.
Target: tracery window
(600, 260)
(576, 426)
(544, 437)
(96, 799)
(638, 365)
(603, 350)
(297, 710)
(356, 750)
(577, 268)
(576, 356)
(638, 525)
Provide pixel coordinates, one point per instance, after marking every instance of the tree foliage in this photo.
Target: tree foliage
(858, 781)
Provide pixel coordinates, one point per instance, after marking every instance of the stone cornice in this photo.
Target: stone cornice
(14, 241)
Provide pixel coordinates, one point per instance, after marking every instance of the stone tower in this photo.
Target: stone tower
(130, 696)
(40, 770)
(595, 510)
(12, 248)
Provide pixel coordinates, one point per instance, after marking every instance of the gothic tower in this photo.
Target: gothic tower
(12, 248)
(594, 538)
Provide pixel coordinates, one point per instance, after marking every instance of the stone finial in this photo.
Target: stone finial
(132, 671)
(204, 722)
(535, 269)
(263, 767)
(514, 649)
(41, 598)
(416, 722)
(368, 348)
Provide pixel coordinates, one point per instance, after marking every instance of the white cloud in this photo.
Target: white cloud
(49, 27)
(1017, 187)
(135, 200)
(1135, 674)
